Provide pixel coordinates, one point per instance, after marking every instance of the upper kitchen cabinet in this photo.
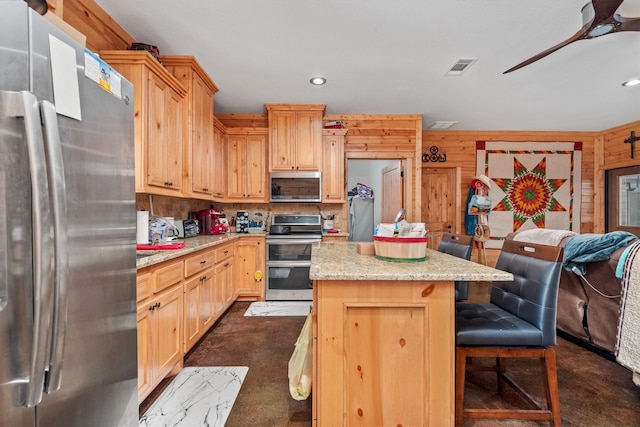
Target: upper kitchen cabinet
(158, 121)
(333, 190)
(219, 161)
(198, 121)
(246, 168)
(295, 135)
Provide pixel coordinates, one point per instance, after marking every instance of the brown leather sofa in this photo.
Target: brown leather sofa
(587, 315)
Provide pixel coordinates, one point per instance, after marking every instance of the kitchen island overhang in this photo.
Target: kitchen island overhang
(384, 336)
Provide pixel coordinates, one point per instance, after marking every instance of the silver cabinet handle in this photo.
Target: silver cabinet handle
(55, 170)
(25, 105)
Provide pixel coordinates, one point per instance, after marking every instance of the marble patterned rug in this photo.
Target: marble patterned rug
(278, 308)
(197, 396)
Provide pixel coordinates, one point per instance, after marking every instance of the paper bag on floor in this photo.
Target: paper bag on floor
(300, 369)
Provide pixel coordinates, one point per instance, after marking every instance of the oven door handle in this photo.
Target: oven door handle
(292, 241)
(288, 264)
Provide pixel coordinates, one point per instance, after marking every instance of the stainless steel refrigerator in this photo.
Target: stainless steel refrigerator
(67, 231)
(361, 224)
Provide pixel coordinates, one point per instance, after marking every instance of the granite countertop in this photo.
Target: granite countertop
(192, 244)
(340, 261)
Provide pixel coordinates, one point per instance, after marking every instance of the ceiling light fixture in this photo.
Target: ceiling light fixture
(318, 81)
(632, 82)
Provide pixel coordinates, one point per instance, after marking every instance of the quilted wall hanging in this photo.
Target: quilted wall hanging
(533, 185)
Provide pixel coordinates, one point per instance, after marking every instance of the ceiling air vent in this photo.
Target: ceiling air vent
(443, 124)
(460, 67)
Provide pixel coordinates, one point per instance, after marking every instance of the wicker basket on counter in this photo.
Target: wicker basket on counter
(401, 249)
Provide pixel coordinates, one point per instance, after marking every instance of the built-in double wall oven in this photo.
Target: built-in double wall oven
(288, 257)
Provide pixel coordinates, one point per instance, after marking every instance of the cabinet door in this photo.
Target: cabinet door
(207, 309)
(248, 259)
(167, 330)
(192, 300)
(175, 137)
(308, 128)
(202, 148)
(256, 171)
(333, 168)
(236, 166)
(229, 289)
(223, 291)
(416, 338)
(219, 179)
(164, 165)
(282, 141)
(157, 154)
(145, 353)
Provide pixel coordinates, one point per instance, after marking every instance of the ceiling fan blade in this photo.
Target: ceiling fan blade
(604, 9)
(577, 36)
(628, 24)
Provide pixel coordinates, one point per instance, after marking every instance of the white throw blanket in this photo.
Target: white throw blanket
(628, 342)
(543, 236)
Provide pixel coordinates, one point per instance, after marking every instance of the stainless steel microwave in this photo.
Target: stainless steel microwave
(297, 187)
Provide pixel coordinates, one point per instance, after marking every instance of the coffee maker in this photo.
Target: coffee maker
(242, 222)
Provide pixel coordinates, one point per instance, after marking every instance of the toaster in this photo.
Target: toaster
(187, 228)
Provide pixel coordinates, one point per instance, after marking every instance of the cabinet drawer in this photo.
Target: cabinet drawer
(143, 286)
(198, 262)
(167, 275)
(222, 252)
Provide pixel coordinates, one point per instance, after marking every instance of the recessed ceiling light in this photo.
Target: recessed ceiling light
(632, 82)
(318, 81)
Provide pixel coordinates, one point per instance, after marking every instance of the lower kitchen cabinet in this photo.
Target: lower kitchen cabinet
(198, 308)
(159, 338)
(223, 289)
(249, 266)
(198, 296)
(179, 301)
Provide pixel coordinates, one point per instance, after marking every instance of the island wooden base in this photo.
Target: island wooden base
(383, 353)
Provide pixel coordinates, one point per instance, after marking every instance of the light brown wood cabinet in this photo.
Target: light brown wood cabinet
(223, 289)
(180, 300)
(198, 122)
(333, 190)
(247, 172)
(219, 172)
(160, 317)
(360, 362)
(249, 265)
(295, 133)
(198, 296)
(158, 121)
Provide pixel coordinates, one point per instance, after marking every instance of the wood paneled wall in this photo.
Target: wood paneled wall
(617, 154)
(387, 136)
(612, 153)
(460, 147)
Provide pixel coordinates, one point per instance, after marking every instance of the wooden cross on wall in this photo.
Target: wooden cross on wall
(632, 140)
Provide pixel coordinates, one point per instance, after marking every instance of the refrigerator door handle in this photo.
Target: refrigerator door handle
(55, 170)
(24, 104)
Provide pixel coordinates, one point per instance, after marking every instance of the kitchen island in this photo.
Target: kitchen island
(384, 336)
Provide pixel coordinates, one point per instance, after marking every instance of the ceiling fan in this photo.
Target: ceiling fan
(600, 19)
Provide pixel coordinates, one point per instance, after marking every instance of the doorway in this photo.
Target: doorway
(370, 173)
